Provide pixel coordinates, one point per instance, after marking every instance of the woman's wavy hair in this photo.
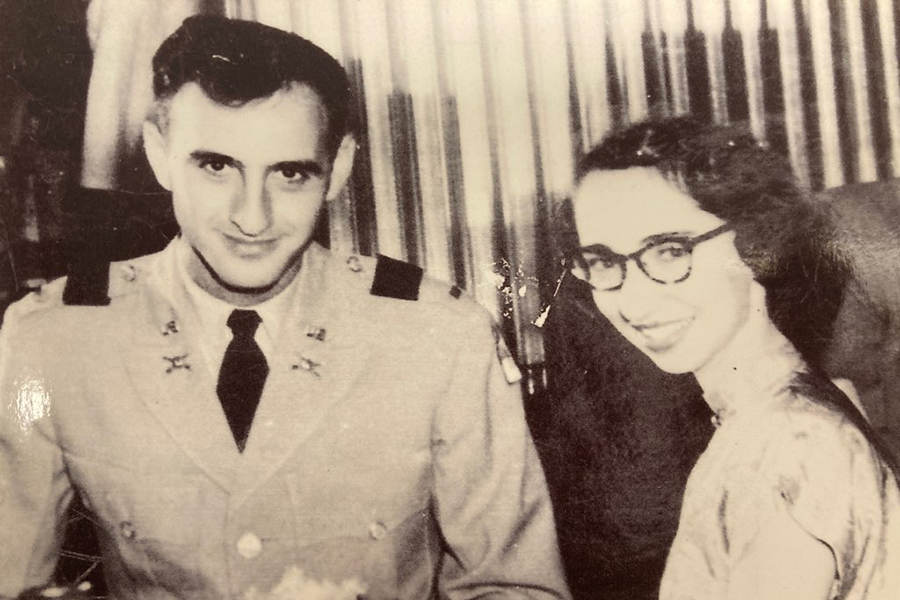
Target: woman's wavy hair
(785, 238)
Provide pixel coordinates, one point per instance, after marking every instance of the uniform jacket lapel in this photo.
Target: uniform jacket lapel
(172, 378)
(317, 360)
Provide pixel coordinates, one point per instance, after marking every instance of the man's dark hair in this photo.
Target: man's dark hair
(235, 62)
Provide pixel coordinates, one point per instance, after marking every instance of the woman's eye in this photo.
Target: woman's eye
(600, 262)
(670, 251)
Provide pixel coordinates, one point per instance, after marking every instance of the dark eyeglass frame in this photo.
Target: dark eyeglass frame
(576, 257)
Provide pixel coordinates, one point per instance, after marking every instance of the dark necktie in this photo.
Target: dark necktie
(242, 375)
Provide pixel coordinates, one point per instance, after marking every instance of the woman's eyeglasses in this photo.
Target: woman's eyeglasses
(667, 260)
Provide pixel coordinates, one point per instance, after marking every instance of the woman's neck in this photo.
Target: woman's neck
(754, 355)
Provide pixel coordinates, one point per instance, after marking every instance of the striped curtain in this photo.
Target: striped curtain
(472, 113)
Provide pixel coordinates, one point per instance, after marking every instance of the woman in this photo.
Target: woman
(618, 438)
(699, 247)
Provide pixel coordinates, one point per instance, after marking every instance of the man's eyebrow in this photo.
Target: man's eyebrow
(208, 156)
(307, 167)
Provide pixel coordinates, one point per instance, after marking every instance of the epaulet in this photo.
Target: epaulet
(396, 279)
(433, 290)
(401, 280)
(96, 283)
(87, 284)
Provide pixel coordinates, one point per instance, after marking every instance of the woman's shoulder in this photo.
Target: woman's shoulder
(816, 416)
(810, 428)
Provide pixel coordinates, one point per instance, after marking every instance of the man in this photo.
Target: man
(247, 402)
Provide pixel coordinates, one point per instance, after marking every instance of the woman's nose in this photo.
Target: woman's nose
(638, 294)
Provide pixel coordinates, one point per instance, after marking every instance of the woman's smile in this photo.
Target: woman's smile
(661, 336)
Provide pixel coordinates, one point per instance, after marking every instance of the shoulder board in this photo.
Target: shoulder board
(87, 284)
(396, 279)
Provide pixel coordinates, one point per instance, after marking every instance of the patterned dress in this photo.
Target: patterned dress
(777, 451)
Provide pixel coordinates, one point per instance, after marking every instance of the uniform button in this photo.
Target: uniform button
(127, 530)
(53, 592)
(249, 546)
(129, 273)
(377, 530)
(354, 264)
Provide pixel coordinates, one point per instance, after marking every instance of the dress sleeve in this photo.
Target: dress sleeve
(829, 480)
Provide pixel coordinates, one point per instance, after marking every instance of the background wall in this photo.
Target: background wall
(473, 112)
(472, 116)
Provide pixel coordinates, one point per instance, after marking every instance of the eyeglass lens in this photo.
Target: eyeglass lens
(666, 262)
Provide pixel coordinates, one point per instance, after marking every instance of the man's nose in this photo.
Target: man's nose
(251, 211)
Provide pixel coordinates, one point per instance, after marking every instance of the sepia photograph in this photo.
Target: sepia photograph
(450, 299)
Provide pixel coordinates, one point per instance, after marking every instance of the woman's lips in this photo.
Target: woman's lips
(659, 337)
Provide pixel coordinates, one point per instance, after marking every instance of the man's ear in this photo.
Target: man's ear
(155, 148)
(340, 169)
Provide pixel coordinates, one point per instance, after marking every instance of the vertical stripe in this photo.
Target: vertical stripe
(823, 66)
(466, 83)
(856, 54)
(587, 22)
(657, 59)
(709, 18)
(550, 90)
(417, 36)
(888, 31)
(120, 91)
(372, 39)
(233, 9)
(321, 23)
(275, 13)
(782, 17)
(516, 143)
(746, 18)
(673, 21)
(627, 20)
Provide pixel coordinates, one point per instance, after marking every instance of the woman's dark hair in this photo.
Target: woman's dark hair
(786, 239)
(780, 233)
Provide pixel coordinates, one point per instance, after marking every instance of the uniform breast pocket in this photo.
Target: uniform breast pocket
(151, 522)
(327, 512)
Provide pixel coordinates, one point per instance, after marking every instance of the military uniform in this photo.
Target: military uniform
(387, 447)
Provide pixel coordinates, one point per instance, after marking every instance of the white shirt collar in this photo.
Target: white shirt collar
(213, 313)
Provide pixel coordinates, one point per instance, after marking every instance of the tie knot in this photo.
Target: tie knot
(243, 322)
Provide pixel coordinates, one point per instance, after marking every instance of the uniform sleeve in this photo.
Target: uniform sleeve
(34, 490)
(829, 480)
(491, 498)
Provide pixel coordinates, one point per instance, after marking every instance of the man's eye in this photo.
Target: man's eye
(215, 167)
(293, 175)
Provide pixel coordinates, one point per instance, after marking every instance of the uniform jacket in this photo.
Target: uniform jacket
(387, 446)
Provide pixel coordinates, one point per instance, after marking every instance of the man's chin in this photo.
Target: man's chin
(240, 285)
